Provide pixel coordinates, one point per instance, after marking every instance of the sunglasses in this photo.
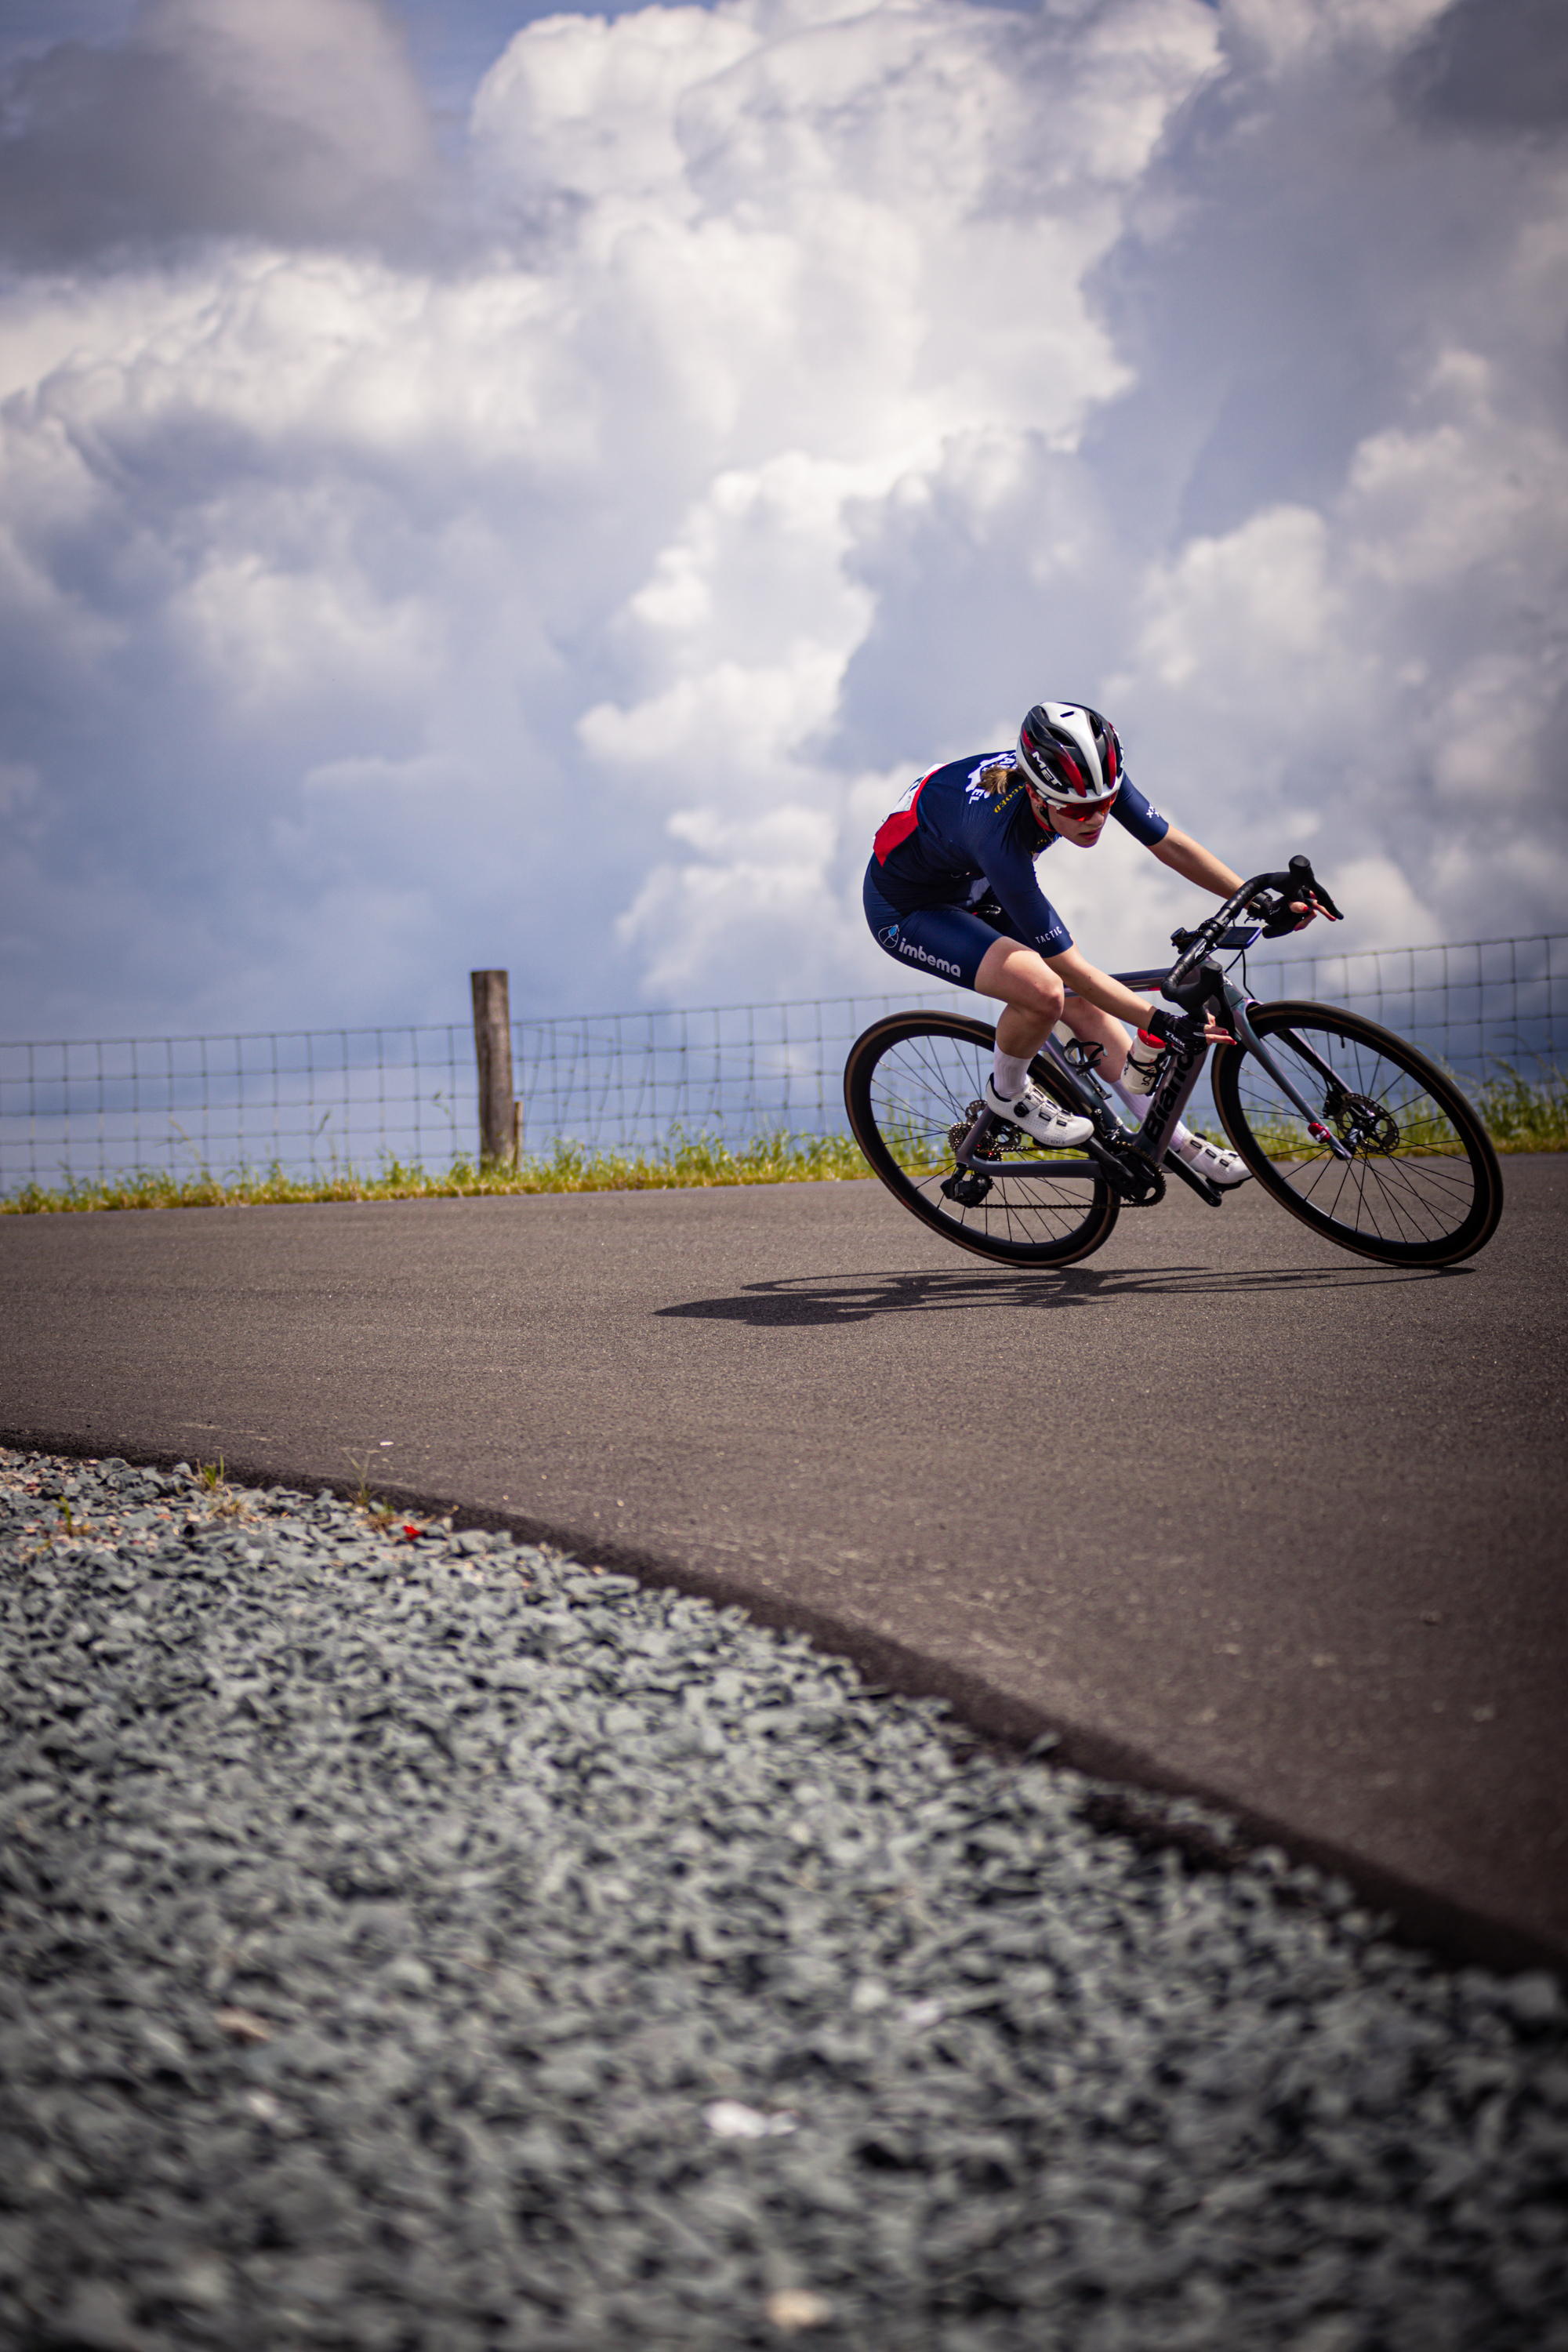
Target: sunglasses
(1083, 815)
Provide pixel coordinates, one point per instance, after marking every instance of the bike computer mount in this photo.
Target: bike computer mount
(1195, 980)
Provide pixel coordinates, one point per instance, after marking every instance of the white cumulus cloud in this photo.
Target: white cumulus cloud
(561, 556)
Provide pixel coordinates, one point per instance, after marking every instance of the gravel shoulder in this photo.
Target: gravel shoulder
(422, 1942)
(1310, 1566)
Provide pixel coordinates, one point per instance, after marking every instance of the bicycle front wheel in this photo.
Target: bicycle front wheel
(1423, 1186)
(911, 1083)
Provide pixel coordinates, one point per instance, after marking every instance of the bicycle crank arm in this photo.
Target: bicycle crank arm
(1136, 1181)
(1200, 1184)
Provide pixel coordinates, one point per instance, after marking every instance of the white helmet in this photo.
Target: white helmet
(1069, 753)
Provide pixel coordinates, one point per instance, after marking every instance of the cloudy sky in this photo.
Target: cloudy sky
(483, 488)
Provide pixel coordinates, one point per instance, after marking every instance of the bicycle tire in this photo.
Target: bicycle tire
(1424, 1188)
(912, 1077)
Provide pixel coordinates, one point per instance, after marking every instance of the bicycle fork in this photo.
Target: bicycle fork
(1210, 990)
(1237, 1000)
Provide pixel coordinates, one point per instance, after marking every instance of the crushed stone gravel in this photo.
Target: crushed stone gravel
(417, 1941)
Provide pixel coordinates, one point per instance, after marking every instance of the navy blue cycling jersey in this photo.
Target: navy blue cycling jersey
(955, 839)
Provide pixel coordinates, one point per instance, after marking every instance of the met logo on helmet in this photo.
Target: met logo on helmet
(1068, 751)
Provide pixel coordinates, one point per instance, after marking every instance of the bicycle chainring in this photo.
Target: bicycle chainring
(1138, 1184)
(1150, 1189)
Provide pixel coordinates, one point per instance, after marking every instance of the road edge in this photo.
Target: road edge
(1134, 1793)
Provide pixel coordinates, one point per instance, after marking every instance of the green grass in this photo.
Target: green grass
(1526, 1114)
(1520, 1114)
(774, 1158)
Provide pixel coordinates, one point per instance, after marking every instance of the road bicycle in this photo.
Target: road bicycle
(1343, 1124)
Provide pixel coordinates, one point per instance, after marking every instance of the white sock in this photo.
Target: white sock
(1139, 1106)
(1012, 1074)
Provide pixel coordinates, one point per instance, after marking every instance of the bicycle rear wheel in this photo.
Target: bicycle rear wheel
(913, 1079)
(1423, 1187)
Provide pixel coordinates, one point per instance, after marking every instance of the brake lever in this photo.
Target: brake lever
(1306, 886)
(1300, 887)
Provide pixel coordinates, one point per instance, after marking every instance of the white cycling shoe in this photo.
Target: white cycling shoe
(1222, 1167)
(1039, 1117)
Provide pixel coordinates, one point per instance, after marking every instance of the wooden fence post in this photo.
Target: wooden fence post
(492, 1049)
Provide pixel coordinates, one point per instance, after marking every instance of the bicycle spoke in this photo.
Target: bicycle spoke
(1416, 1198)
(1421, 1182)
(912, 1082)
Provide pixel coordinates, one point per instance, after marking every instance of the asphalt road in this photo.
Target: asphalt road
(1233, 1512)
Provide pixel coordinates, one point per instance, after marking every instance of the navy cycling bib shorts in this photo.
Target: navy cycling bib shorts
(948, 942)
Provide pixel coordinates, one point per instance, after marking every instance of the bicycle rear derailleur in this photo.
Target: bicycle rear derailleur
(968, 1186)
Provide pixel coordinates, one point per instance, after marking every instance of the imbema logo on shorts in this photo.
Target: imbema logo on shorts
(919, 955)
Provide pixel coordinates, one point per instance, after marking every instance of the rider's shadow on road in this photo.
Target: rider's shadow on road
(858, 1299)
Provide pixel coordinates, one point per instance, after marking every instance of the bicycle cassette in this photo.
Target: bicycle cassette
(1000, 1136)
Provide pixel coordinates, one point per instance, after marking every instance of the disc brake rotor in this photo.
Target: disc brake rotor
(1366, 1126)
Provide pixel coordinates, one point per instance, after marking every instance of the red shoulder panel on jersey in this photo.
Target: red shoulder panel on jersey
(901, 824)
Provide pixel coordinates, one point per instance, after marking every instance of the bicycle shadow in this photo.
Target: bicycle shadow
(805, 1300)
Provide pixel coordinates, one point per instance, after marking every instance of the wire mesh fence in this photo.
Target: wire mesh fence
(307, 1100)
(1480, 1008)
(1474, 1008)
(318, 1101)
(314, 1102)
(625, 1081)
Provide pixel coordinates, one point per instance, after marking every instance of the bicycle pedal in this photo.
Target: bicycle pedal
(1201, 1185)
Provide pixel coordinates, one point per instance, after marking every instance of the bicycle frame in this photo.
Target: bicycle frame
(1130, 1158)
(1196, 983)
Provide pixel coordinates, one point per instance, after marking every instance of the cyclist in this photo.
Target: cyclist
(952, 888)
